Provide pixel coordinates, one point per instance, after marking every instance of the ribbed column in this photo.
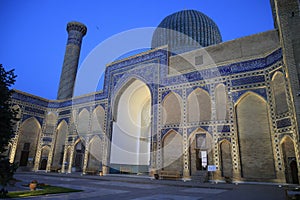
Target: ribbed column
(76, 31)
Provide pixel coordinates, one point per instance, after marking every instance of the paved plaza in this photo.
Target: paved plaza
(143, 188)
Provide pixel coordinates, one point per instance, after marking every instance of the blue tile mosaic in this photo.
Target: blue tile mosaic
(286, 134)
(154, 138)
(165, 131)
(47, 139)
(223, 128)
(248, 80)
(283, 123)
(261, 91)
(39, 119)
(190, 90)
(273, 72)
(178, 92)
(226, 70)
(192, 129)
(202, 30)
(35, 110)
(74, 37)
(82, 108)
(65, 112)
(66, 119)
(224, 138)
(29, 99)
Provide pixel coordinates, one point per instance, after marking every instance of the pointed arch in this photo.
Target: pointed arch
(254, 137)
(95, 153)
(79, 152)
(200, 150)
(98, 120)
(172, 151)
(225, 158)
(289, 158)
(171, 109)
(221, 102)
(130, 137)
(60, 139)
(199, 106)
(83, 122)
(121, 89)
(28, 139)
(279, 91)
(44, 157)
(51, 118)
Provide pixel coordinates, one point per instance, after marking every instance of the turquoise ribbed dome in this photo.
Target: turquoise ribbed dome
(186, 30)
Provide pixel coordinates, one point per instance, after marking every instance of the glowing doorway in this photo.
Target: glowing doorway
(132, 127)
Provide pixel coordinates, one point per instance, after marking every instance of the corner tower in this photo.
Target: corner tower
(286, 14)
(76, 31)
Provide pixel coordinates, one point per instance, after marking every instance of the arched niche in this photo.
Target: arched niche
(172, 150)
(131, 126)
(28, 139)
(200, 151)
(225, 158)
(83, 122)
(221, 102)
(254, 136)
(60, 139)
(51, 118)
(98, 120)
(95, 154)
(199, 106)
(44, 157)
(79, 151)
(290, 161)
(171, 109)
(279, 91)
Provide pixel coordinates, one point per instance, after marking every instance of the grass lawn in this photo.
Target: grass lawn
(48, 189)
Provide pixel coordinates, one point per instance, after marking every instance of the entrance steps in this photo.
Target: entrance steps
(200, 176)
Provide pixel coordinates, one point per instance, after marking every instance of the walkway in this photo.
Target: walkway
(143, 188)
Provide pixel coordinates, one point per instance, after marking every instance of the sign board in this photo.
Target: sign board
(211, 168)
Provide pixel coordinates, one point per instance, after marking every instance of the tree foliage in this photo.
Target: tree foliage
(7, 120)
(7, 114)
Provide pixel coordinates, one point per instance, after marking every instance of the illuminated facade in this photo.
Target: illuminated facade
(233, 105)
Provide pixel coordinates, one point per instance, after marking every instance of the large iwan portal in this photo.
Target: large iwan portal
(132, 128)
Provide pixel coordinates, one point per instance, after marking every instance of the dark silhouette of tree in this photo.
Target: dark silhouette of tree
(7, 120)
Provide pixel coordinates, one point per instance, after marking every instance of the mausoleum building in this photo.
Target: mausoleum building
(189, 103)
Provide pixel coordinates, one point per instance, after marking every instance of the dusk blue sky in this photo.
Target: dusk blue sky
(33, 32)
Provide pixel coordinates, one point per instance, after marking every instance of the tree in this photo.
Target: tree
(7, 114)
(7, 120)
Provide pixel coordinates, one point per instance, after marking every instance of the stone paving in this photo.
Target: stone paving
(143, 188)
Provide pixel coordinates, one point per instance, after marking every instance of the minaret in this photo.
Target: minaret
(287, 20)
(76, 31)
